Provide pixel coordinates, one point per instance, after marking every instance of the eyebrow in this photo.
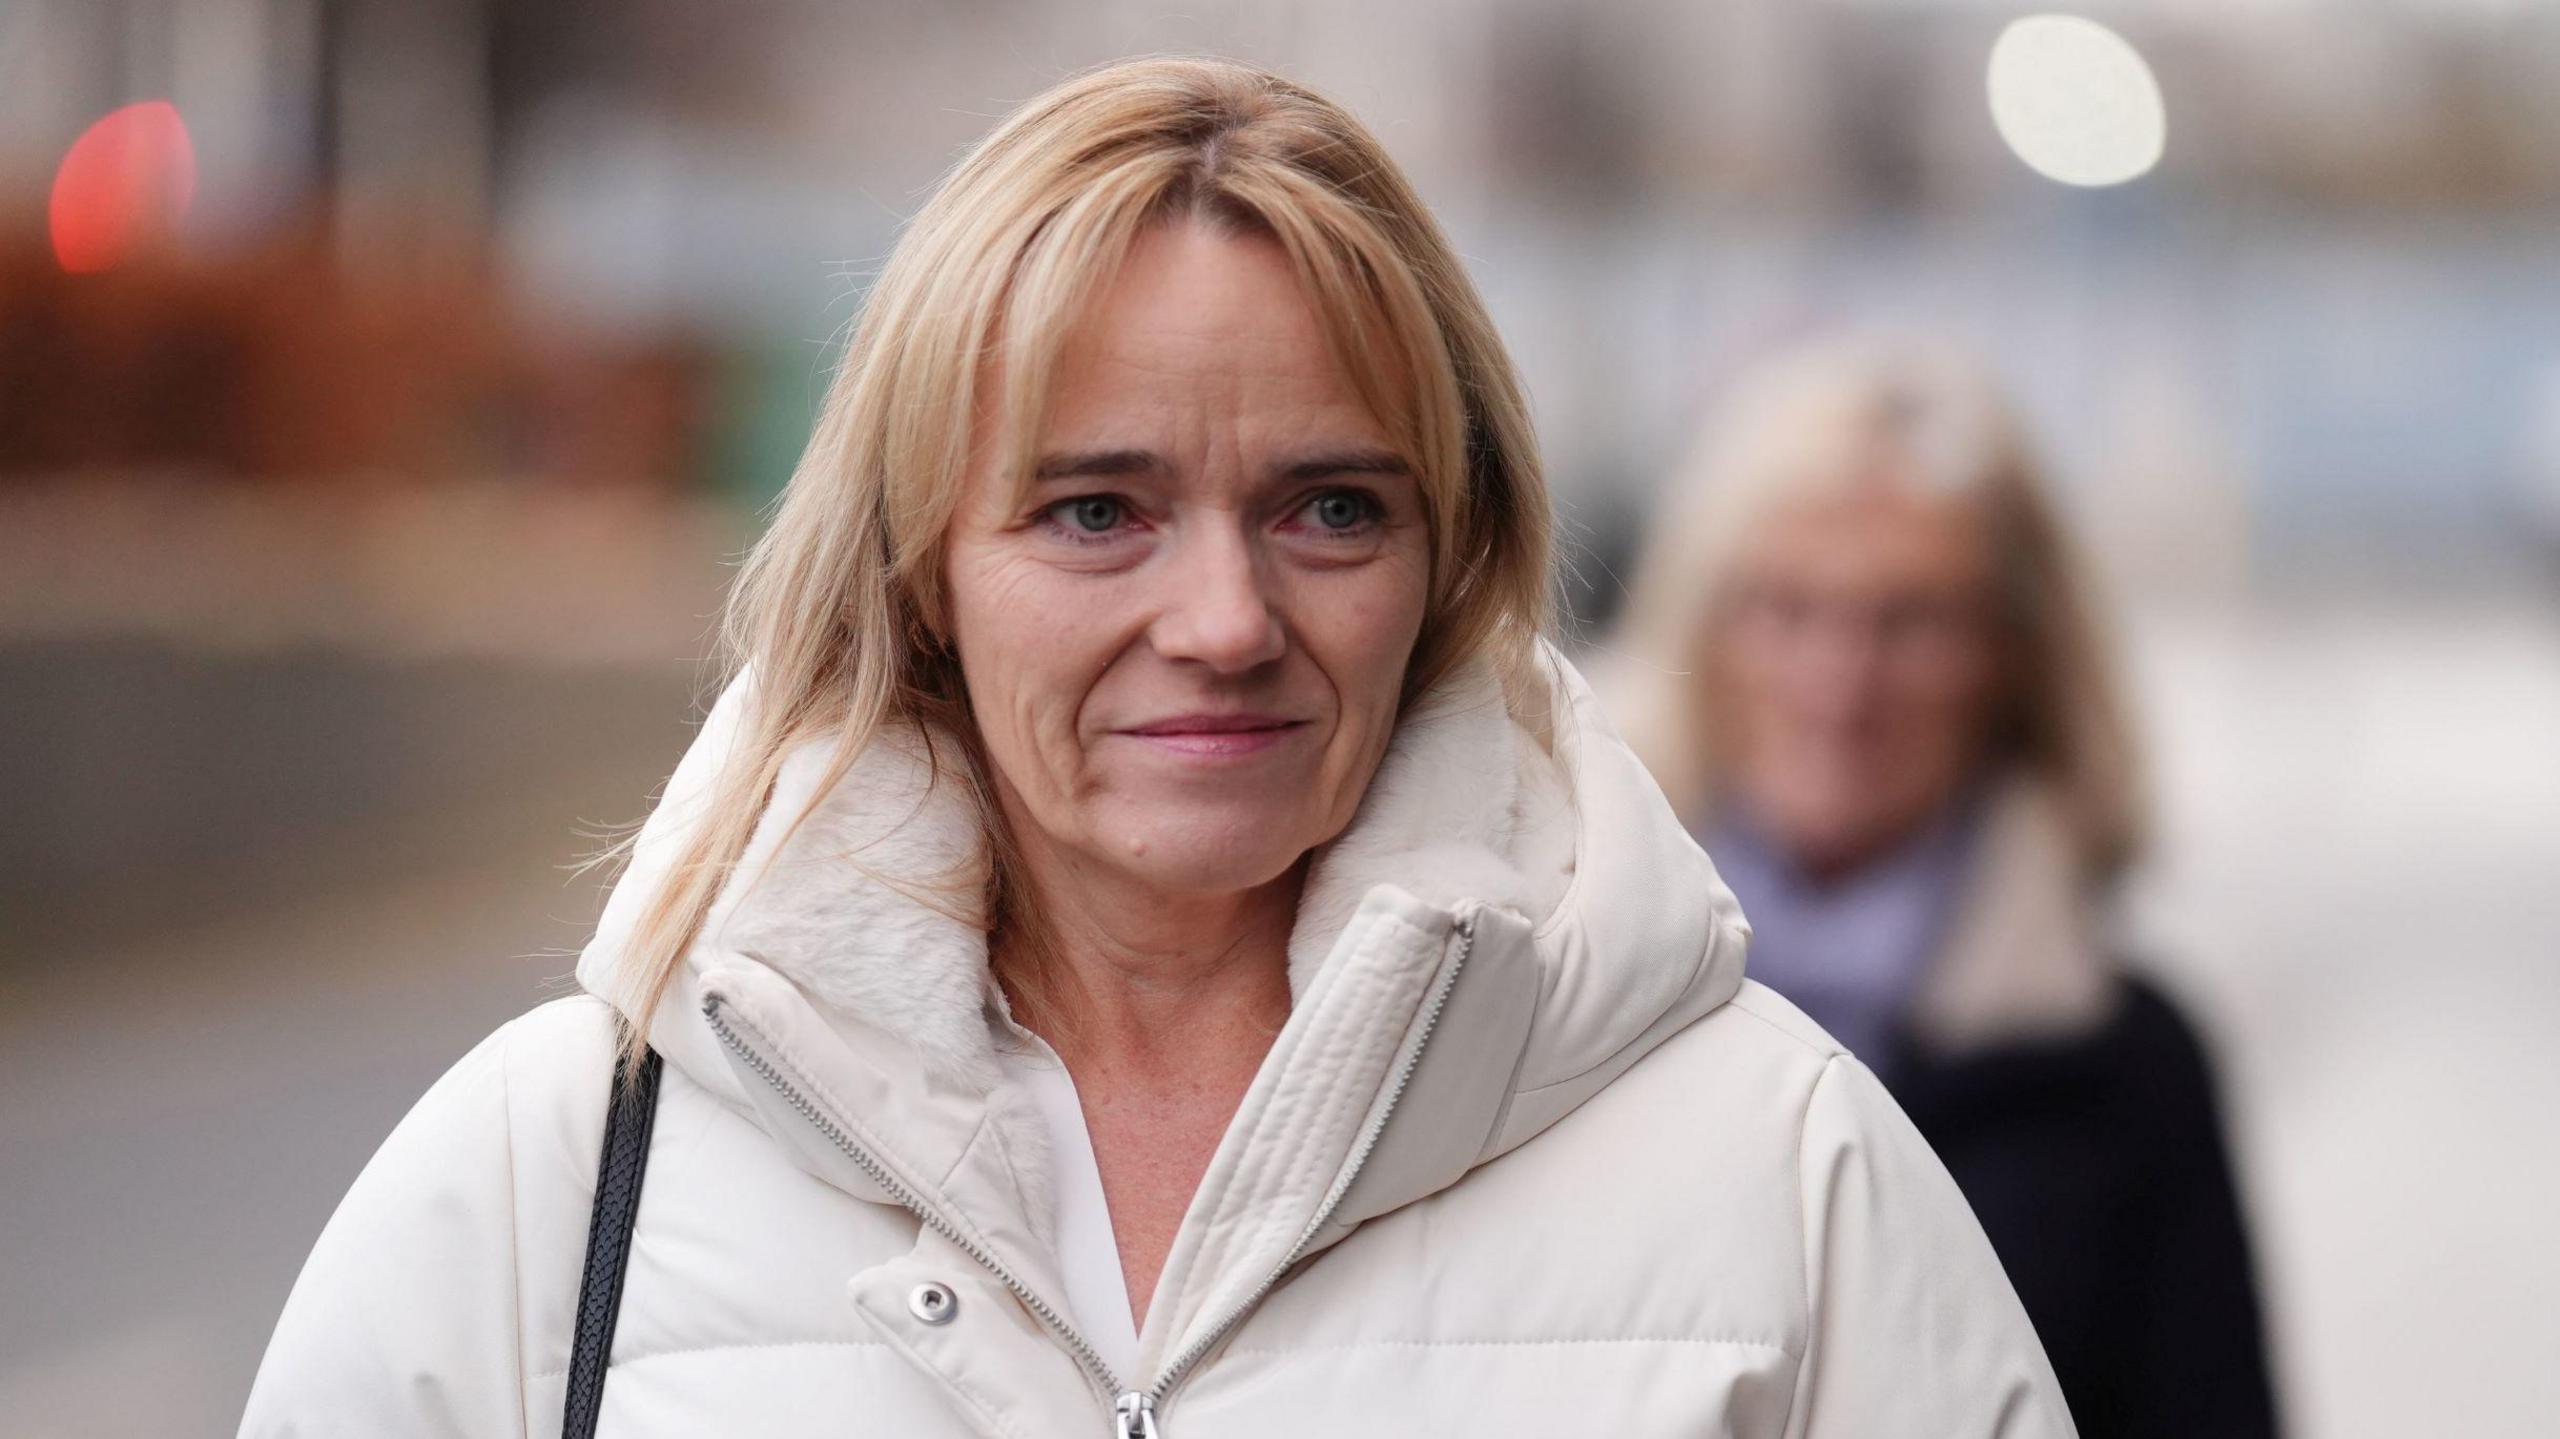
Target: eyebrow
(1347, 462)
(1091, 464)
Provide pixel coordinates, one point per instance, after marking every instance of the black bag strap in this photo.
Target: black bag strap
(629, 1115)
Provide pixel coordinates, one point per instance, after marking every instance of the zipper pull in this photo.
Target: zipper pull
(1134, 1417)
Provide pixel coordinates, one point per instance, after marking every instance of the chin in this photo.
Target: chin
(1218, 852)
(1824, 820)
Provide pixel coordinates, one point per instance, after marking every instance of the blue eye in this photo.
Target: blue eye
(1344, 513)
(1094, 514)
(1340, 509)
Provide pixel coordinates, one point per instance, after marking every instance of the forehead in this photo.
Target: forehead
(1871, 534)
(1196, 323)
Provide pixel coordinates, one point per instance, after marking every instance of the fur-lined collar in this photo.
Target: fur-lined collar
(869, 904)
(2020, 961)
(1595, 929)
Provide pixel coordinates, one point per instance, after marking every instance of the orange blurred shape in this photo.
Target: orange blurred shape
(124, 183)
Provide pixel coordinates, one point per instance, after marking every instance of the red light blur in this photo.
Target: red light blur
(122, 186)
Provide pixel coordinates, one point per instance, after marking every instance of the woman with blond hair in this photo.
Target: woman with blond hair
(1153, 939)
(1862, 661)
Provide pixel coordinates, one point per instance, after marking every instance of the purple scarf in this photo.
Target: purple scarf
(1850, 951)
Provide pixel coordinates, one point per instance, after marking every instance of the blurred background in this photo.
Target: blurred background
(387, 385)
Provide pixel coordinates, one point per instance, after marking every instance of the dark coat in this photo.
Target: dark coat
(2097, 1164)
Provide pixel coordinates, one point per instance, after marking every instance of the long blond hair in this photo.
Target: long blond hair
(837, 615)
(1818, 418)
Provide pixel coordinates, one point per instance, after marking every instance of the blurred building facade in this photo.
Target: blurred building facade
(2331, 302)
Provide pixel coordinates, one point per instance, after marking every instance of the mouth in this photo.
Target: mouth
(1216, 736)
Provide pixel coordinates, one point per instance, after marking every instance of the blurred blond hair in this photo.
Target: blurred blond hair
(838, 616)
(1820, 418)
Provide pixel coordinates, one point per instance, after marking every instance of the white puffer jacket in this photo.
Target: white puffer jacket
(1529, 1158)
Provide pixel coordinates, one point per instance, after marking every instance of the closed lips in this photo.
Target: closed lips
(1215, 724)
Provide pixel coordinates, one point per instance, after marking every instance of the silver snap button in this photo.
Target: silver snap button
(933, 1303)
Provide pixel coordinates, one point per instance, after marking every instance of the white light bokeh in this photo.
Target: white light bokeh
(2076, 101)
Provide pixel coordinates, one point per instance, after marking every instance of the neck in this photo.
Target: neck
(1824, 860)
(1155, 987)
(1163, 1005)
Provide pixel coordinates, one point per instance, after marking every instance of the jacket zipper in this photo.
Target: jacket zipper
(1133, 1416)
(1133, 1410)
(1100, 1373)
(1180, 1368)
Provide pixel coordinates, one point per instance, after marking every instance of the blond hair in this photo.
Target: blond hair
(838, 614)
(1824, 417)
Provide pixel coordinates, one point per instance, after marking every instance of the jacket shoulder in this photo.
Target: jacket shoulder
(1788, 1025)
(1756, 1044)
(409, 1317)
(1759, 1054)
(538, 1086)
(559, 1040)
(1909, 1322)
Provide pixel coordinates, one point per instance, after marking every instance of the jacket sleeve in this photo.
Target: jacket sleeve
(403, 1324)
(1912, 1328)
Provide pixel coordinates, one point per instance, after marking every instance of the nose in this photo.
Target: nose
(1847, 650)
(1831, 668)
(1217, 608)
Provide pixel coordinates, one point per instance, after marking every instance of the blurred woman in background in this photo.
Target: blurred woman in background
(1863, 664)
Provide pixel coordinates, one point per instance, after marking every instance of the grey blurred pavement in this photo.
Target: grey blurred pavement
(360, 873)
(2361, 888)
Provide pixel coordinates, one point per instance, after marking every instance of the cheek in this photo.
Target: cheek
(1761, 677)
(1782, 695)
(1358, 627)
(1361, 626)
(1948, 706)
(1024, 653)
(1734, 687)
(996, 616)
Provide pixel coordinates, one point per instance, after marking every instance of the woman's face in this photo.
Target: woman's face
(1859, 667)
(1184, 647)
